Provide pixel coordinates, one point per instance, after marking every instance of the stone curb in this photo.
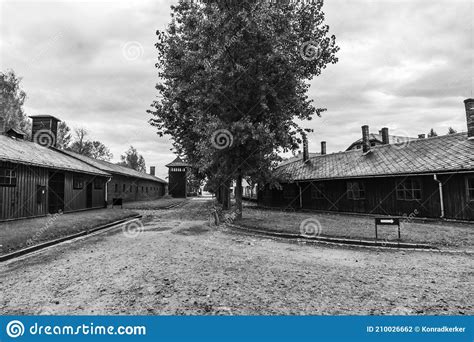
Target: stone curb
(339, 241)
(44, 245)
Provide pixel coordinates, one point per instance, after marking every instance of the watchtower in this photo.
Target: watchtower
(177, 178)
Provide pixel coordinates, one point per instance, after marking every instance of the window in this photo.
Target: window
(130, 188)
(317, 191)
(78, 182)
(116, 187)
(98, 184)
(409, 190)
(355, 190)
(289, 191)
(146, 189)
(470, 188)
(142, 189)
(7, 177)
(124, 188)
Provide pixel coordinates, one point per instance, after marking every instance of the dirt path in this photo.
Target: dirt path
(178, 265)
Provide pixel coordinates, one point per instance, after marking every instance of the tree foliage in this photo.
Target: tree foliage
(89, 148)
(432, 133)
(133, 160)
(64, 136)
(12, 99)
(234, 82)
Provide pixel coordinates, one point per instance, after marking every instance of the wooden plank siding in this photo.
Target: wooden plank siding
(21, 201)
(134, 189)
(380, 197)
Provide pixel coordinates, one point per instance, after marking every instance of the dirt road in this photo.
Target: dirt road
(179, 265)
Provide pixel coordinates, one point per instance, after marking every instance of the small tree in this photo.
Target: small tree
(452, 131)
(64, 136)
(432, 133)
(133, 160)
(93, 149)
(12, 99)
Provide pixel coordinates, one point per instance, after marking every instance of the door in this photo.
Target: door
(55, 192)
(89, 195)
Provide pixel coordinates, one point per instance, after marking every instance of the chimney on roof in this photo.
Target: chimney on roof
(323, 147)
(365, 139)
(44, 130)
(2, 124)
(305, 147)
(421, 136)
(385, 136)
(152, 170)
(469, 104)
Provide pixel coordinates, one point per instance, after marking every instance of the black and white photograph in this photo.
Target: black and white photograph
(237, 158)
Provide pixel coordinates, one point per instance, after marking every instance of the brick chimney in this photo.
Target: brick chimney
(323, 147)
(385, 136)
(152, 170)
(365, 139)
(469, 104)
(44, 130)
(305, 147)
(421, 136)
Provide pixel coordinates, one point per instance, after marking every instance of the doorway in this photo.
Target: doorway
(55, 192)
(89, 195)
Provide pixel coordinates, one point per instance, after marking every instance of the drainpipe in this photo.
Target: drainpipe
(301, 197)
(107, 191)
(440, 185)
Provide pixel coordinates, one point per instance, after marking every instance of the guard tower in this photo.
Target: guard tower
(177, 178)
(45, 130)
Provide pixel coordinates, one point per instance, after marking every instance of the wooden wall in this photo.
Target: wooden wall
(76, 199)
(138, 190)
(380, 197)
(21, 201)
(177, 184)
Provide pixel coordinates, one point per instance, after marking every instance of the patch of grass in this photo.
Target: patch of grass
(437, 233)
(15, 235)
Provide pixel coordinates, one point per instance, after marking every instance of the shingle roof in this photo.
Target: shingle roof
(29, 153)
(393, 139)
(296, 158)
(114, 168)
(447, 153)
(178, 162)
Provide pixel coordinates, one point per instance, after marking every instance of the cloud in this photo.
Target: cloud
(406, 65)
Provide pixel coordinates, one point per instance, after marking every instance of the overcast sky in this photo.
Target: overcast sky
(407, 65)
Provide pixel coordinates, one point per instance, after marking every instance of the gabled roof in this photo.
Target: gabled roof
(114, 168)
(448, 153)
(29, 153)
(393, 139)
(178, 162)
(299, 156)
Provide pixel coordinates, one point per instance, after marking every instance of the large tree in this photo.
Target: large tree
(12, 99)
(132, 159)
(234, 81)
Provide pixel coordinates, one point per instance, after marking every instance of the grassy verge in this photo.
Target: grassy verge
(440, 234)
(20, 234)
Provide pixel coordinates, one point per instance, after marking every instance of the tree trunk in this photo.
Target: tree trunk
(226, 196)
(238, 197)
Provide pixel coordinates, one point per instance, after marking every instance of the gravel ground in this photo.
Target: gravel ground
(179, 265)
